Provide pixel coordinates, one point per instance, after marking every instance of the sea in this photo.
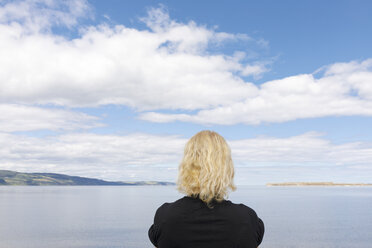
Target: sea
(119, 216)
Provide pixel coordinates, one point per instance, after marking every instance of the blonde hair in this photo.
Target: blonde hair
(206, 170)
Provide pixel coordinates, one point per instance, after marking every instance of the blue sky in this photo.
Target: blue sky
(113, 89)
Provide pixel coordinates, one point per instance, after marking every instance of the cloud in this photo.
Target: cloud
(86, 154)
(256, 70)
(161, 67)
(344, 89)
(308, 149)
(142, 156)
(41, 15)
(29, 118)
(165, 67)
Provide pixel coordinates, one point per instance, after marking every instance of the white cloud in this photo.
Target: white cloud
(308, 149)
(86, 154)
(166, 67)
(29, 118)
(345, 89)
(255, 70)
(41, 15)
(152, 157)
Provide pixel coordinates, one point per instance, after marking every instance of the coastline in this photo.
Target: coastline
(305, 184)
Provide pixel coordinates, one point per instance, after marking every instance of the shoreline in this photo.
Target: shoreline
(305, 184)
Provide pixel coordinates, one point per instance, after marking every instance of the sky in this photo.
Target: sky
(114, 89)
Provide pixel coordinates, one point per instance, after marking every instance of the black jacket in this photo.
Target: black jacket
(189, 223)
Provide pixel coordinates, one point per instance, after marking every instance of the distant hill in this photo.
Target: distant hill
(19, 178)
(317, 184)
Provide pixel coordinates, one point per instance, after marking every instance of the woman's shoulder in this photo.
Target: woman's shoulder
(189, 206)
(246, 209)
(169, 205)
(189, 202)
(239, 210)
(168, 209)
(177, 204)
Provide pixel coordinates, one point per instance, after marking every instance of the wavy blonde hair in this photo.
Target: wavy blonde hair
(206, 170)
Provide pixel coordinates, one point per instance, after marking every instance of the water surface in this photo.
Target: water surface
(119, 216)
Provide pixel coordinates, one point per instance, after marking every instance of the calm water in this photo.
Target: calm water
(119, 216)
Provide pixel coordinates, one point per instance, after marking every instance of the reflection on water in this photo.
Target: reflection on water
(119, 216)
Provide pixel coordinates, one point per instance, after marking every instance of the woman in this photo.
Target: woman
(204, 218)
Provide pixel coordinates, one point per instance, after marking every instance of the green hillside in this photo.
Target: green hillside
(36, 179)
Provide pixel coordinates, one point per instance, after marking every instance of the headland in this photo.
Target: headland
(317, 184)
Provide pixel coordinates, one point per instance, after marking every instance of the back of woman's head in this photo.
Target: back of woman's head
(206, 170)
